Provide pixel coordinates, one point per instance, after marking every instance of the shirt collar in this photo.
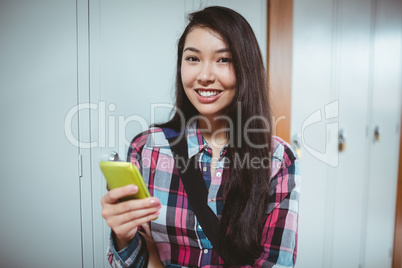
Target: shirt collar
(196, 142)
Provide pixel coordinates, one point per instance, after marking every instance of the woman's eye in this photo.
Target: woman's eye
(192, 59)
(224, 60)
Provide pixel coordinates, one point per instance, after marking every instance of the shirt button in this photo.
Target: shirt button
(212, 199)
(205, 168)
(199, 227)
(206, 251)
(218, 174)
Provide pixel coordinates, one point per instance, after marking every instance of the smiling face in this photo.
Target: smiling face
(207, 72)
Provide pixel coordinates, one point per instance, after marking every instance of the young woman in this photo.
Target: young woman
(252, 178)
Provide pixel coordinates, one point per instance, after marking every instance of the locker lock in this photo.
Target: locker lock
(114, 156)
(377, 133)
(341, 140)
(296, 143)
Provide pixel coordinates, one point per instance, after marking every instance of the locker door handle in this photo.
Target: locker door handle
(377, 133)
(341, 140)
(114, 156)
(296, 143)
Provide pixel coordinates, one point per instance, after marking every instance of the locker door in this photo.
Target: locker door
(351, 78)
(40, 187)
(385, 107)
(133, 57)
(311, 84)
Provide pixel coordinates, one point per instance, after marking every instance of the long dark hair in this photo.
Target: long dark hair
(247, 186)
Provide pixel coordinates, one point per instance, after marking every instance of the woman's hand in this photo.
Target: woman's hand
(125, 217)
(154, 259)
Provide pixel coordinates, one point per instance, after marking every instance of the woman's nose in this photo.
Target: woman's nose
(206, 74)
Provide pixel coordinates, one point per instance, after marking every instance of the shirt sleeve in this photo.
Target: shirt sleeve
(279, 236)
(136, 253)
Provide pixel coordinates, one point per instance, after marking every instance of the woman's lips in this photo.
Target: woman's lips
(208, 95)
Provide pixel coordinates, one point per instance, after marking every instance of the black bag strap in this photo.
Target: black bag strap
(196, 189)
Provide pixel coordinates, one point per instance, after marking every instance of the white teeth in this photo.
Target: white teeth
(208, 93)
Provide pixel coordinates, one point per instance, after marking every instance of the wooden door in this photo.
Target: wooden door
(279, 67)
(397, 256)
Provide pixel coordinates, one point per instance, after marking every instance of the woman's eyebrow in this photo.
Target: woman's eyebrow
(192, 49)
(222, 50)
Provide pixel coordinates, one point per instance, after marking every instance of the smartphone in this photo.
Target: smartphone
(118, 174)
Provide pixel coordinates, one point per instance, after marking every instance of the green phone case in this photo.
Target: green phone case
(119, 174)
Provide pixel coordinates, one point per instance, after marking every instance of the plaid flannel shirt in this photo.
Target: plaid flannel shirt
(178, 236)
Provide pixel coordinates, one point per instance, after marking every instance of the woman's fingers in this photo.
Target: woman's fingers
(125, 217)
(129, 228)
(146, 228)
(114, 195)
(129, 206)
(131, 216)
